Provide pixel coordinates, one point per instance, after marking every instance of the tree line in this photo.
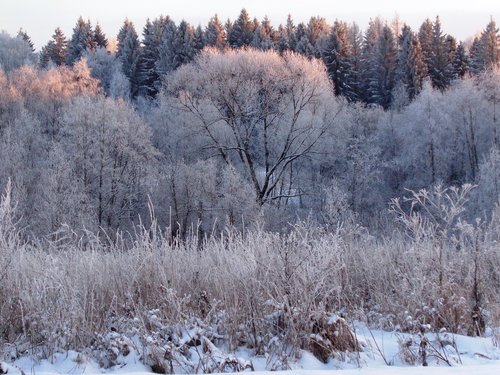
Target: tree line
(385, 65)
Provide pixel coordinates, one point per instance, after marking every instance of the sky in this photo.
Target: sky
(39, 18)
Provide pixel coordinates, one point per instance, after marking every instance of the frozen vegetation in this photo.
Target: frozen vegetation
(246, 198)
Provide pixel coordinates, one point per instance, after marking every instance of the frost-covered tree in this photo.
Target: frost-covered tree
(165, 63)
(14, 52)
(24, 36)
(147, 75)
(242, 31)
(82, 40)
(215, 34)
(439, 64)
(380, 78)
(410, 70)
(268, 114)
(286, 36)
(264, 35)
(100, 40)
(127, 53)
(336, 54)
(461, 62)
(485, 53)
(56, 49)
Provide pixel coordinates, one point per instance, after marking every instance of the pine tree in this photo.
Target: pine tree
(410, 68)
(438, 63)
(147, 76)
(199, 39)
(55, 50)
(381, 69)
(425, 38)
(128, 52)
(24, 36)
(43, 58)
(241, 33)
(264, 35)
(184, 45)
(370, 42)
(302, 43)
(287, 39)
(353, 77)
(317, 33)
(486, 53)
(336, 55)
(215, 34)
(100, 39)
(460, 62)
(82, 40)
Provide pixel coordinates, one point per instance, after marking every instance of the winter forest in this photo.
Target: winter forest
(183, 192)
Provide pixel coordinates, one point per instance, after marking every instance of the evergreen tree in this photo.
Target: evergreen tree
(24, 36)
(55, 50)
(165, 62)
(410, 68)
(81, 41)
(487, 50)
(199, 39)
(353, 71)
(381, 71)
(43, 58)
(128, 52)
(286, 36)
(184, 45)
(264, 35)
(439, 63)
(215, 34)
(336, 57)
(370, 42)
(425, 38)
(460, 63)
(302, 42)
(147, 76)
(317, 33)
(100, 40)
(242, 31)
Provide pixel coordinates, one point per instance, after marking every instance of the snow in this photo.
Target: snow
(466, 355)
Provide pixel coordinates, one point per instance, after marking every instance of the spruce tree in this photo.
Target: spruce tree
(287, 40)
(438, 64)
(147, 76)
(410, 68)
(380, 81)
(353, 77)
(460, 62)
(55, 50)
(241, 33)
(199, 39)
(302, 42)
(485, 53)
(215, 34)
(370, 42)
(165, 62)
(82, 40)
(336, 55)
(128, 52)
(264, 35)
(24, 36)
(100, 39)
(425, 39)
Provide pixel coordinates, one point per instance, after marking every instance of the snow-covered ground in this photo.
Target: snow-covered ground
(447, 354)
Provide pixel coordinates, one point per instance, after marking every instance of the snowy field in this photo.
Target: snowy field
(457, 355)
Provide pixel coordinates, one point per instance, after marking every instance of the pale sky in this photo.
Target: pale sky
(39, 18)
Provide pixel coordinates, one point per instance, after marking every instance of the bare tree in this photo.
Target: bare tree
(259, 111)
